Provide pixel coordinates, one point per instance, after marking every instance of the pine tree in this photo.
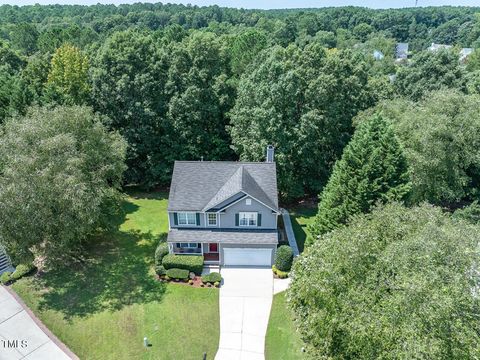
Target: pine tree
(372, 169)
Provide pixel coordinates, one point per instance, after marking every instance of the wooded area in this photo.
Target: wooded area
(96, 98)
(183, 82)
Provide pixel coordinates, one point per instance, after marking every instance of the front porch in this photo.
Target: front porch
(210, 251)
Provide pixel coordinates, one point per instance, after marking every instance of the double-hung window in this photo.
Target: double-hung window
(248, 219)
(212, 219)
(187, 218)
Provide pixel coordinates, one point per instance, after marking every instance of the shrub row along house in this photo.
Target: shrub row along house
(225, 211)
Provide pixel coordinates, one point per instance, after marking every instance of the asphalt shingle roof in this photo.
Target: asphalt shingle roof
(200, 185)
(224, 236)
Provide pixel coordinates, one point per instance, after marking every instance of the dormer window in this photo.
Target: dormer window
(212, 219)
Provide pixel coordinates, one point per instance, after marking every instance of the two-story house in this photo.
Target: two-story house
(225, 211)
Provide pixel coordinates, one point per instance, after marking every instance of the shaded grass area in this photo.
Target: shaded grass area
(282, 340)
(103, 309)
(302, 216)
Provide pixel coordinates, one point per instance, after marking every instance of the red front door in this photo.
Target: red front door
(213, 247)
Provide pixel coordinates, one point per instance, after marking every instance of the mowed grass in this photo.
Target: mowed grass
(282, 340)
(103, 309)
(302, 216)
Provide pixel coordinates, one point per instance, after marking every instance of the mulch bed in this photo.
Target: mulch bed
(197, 282)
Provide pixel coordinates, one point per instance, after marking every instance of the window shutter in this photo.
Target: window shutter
(175, 218)
(236, 219)
(198, 219)
(259, 219)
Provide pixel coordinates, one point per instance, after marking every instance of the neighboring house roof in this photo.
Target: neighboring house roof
(378, 55)
(201, 185)
(224, 236)
(402, 51)
(465, 52)
(436, 47)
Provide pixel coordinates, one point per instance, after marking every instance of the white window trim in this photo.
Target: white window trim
(208, 219)
(248, 217)
(248, 201)
(186, 213)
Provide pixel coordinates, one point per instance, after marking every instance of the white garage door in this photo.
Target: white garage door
(251, 257)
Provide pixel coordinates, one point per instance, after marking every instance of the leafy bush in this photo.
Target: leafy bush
(160, 252)
(5, 277)
(160, 270)
(180, 274)
(281, 274)
(22, 270)
(284, 258)
(216, 284)
(193, 263)
(213, 277)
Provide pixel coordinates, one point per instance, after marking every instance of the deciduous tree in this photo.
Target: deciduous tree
(398, 283)
(60, 171)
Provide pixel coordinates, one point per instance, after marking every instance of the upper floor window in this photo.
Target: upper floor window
(187, 218)
(212, 219)
(247, 219)
(248, 201)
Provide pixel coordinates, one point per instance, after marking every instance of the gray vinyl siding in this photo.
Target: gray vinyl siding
(227, 218)
(247, 246)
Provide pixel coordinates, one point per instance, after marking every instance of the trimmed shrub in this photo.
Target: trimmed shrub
(21, 270)
(5, 278)
(160, 252)
(281, 274)
(284, 258)
(160, 270)
(213, 277)
(193, 263)
(177, 274)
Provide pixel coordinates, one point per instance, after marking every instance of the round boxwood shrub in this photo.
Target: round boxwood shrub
(213, 277)
(6, 277)
(21, 270)
(160, 252)
(284, 258)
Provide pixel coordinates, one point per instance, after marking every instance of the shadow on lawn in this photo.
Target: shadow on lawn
(117, 273)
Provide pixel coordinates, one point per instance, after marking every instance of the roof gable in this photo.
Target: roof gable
(201, 185)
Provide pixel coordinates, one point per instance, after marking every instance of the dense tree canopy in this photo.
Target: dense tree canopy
(430, 71)
(372, 169)
(398, 283)
(440, 136)
(184, 82)
(302, 102)
(60, 171)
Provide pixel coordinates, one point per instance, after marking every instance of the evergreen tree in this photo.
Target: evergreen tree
(372, 169)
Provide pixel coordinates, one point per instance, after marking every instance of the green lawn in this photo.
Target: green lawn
(103, 308)
(301, 216)
(282, 341)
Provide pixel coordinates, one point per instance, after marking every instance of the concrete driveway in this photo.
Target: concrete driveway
(21, 337)
(245, 301)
